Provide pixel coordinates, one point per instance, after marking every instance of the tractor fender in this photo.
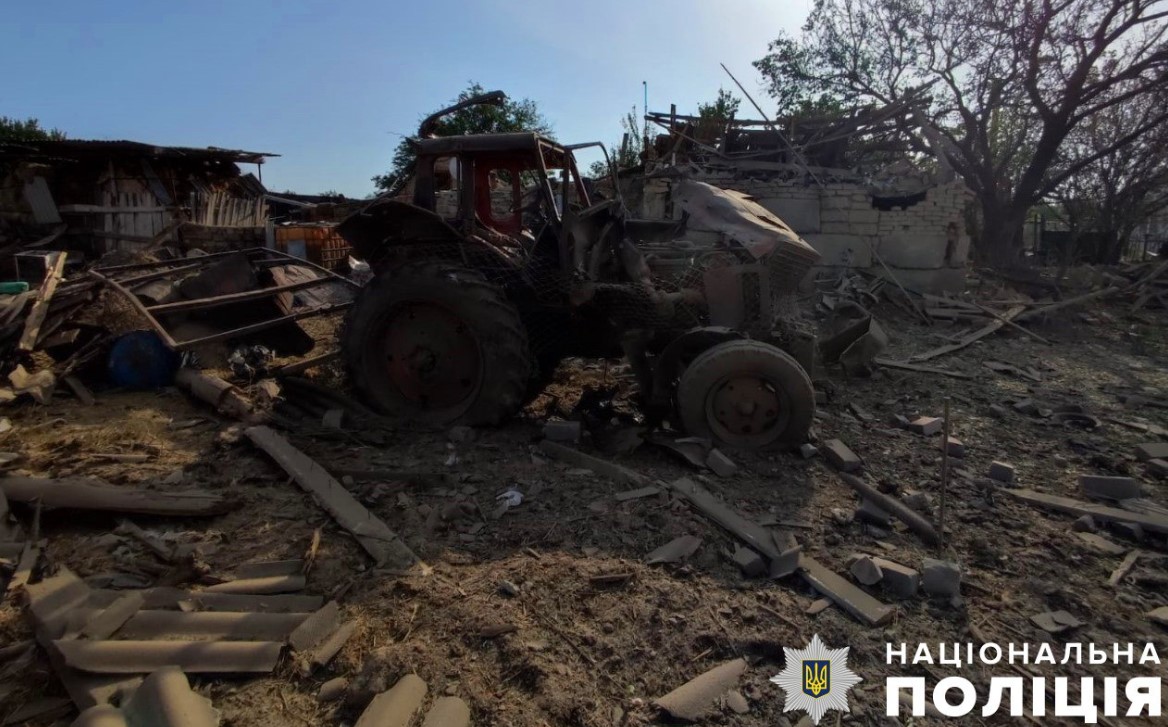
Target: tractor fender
(389, 225)
(669, 362)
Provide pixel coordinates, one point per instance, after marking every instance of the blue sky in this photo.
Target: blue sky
(332, 85)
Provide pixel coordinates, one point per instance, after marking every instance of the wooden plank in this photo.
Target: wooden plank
(1043, 310)
(384, 545)
(99, 209)
(198, 657)
(80, 390)
(40, 308)
(751, 533)
(904, 365)
(91, 494)
(980, 333)
(1124, 568)
(1152, 523)
(867, 609)
(600, 466)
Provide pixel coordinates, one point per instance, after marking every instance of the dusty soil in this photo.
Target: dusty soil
(583, 654)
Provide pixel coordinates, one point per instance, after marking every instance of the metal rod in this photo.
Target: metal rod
(774, 128)
(262, 325)
(221, 300)
(146, 277)
(299, 367)
(138, 306)
(944, 472)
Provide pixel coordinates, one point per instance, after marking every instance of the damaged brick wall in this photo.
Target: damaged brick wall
(921, 235)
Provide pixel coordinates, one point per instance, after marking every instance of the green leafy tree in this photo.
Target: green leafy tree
(626, 153)
(513, 115)
(996, 87)
(13, 129)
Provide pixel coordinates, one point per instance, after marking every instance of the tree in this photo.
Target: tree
(627, 153)
(998, 85)
(13, 129)
(521, 115)
(1110, 198)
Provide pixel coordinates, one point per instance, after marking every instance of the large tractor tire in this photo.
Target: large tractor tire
(435, 342)
(746, 394)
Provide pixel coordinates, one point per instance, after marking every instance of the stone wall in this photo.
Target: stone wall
(924, 241)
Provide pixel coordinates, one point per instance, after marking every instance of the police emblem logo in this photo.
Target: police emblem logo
(816, 679)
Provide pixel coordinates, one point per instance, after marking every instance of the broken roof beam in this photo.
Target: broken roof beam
(384, 545)
(82, 493)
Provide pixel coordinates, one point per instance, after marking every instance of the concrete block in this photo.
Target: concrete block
(722, 465)
(899, 580)
(837, 250)
(1152, 450)
(1131, 531)
(808, 450)
(1110, 488)
(955, 447)
(941, 578)
(749, 562)
(562, 431)
(841, 457)
(1001, 472)
(928, 426)
(1158, 468)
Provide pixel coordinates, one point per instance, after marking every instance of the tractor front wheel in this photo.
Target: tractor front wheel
(438, 343)
(746, 394)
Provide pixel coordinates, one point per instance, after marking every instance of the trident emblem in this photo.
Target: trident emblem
(816, 678)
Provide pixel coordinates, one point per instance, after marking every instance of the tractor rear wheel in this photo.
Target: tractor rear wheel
(438, 343)
(746, 394)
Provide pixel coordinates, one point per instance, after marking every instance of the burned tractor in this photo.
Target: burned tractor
(472, 306)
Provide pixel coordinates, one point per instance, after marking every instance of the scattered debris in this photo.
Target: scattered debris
(867, 609)
(1153, 523)
(396, 707)
(722, 465)
(675, 551)
(841, 457)
(941, 578)
(373, 534)
(82, 493)
(1001, 472)
(1109, 488)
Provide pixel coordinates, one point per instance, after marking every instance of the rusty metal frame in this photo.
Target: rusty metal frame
(260, 256)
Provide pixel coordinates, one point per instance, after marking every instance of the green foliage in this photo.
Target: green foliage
(625, 154)
(721, 109)
(513, 115)
(13, 129)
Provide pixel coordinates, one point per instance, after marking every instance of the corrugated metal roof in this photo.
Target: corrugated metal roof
(69, 148)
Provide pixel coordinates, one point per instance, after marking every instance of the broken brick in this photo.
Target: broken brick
(1110, 488)
(722, 465)
(841, 457)
(1152, 450)
(749, 562)
(899, 580)
(1085, 524)
(861, 413)
(865, 571)
(917, 501)
(1001, 472)
(928, 426)
(941, 578)
(955, 447)
(808, 450)
(1158, 468)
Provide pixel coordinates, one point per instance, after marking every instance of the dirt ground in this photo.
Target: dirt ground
(585, 654)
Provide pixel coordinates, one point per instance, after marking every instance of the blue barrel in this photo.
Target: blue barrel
(141, 361)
